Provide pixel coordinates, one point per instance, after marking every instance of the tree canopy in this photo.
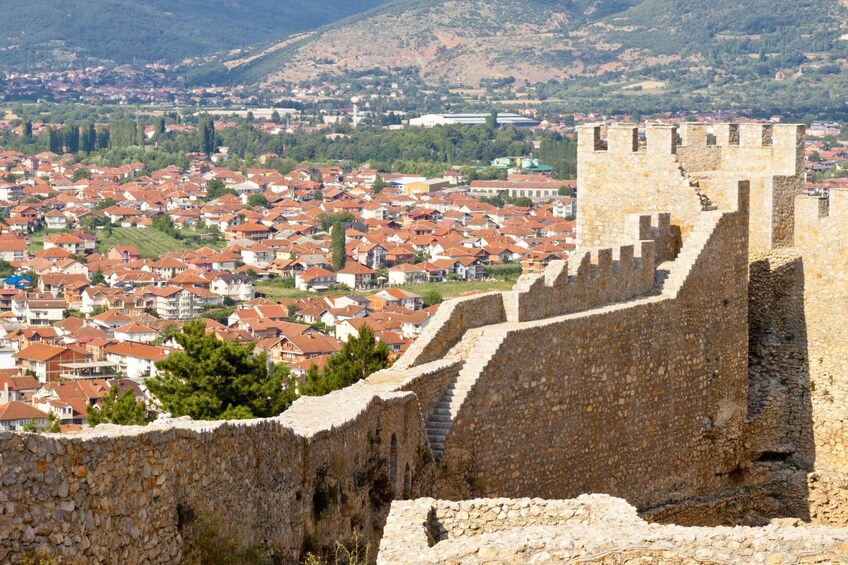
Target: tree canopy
(211, 379)
(120, 409)
(361, 356)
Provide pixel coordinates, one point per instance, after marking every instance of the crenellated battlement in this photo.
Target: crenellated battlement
(597, 276)
(687, 169)
(753, 149)
(822, 219)
(622, 139)
(665, 139)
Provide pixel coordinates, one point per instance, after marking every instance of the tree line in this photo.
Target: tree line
(214, 379)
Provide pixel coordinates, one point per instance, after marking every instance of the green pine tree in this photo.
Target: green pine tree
(211, 379)
(119, 409)
(361, 356)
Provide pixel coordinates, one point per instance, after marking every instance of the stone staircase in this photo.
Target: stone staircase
(477, 348)
(671, 275)
(706, 204)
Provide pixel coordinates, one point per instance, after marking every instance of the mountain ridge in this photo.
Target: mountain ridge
(50, 33)
(464, 42)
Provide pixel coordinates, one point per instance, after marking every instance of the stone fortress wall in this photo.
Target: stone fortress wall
(622, 372)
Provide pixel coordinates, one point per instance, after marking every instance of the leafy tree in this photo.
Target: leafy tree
(339, 250)
(71, 138)
(54, 140)
(211, 379)
(28, 129)
(88, 138)
(55, 426)
(275, 117)
(492, 120)
(166, 225)
(103, 137)
(6, 269)
(30, 427)
(206, 135)
(91, 221)
(80, 174)
(432, 297)
(565, 191)
(379, 185)
(318, 195)
(257, 200)
(361, 356)
(169, 331)
(32, 276)
(119, 409)
(215, 188)
(328, 220)
(105, 203)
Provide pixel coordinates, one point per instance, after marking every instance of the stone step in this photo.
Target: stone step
(448, 418)
(436, 425)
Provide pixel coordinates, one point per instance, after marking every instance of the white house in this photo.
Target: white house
(134, 331)
(136, 360)
(406, 274)
(15, 415)
(237, 286)
(315, 278)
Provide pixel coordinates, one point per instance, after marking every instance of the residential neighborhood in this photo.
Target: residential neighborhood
(102, 265)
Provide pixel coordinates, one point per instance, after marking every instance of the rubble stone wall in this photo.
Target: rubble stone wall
(589, 529)
(328, 467)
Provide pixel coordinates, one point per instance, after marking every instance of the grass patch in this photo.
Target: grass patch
(274, 290)
(36, 240)
(150, 243)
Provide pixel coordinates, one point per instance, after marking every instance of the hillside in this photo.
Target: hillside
(51, 32)
(471, 39)
(632, 46)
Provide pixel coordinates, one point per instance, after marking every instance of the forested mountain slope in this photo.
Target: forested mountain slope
(639, 44)
(40, 33)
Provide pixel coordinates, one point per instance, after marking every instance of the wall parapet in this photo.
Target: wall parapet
(598, 276)
(590, 528)
(451, 321)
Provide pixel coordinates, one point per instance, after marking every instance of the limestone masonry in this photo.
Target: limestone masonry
(688, 360)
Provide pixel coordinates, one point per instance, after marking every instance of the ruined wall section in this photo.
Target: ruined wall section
(618, 177)
(589, 529)
(644, 400)
(324, 470)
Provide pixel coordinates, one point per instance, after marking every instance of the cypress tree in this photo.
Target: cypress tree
(337, 233)
(103, 137)
(71, 138)
(54, 142)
